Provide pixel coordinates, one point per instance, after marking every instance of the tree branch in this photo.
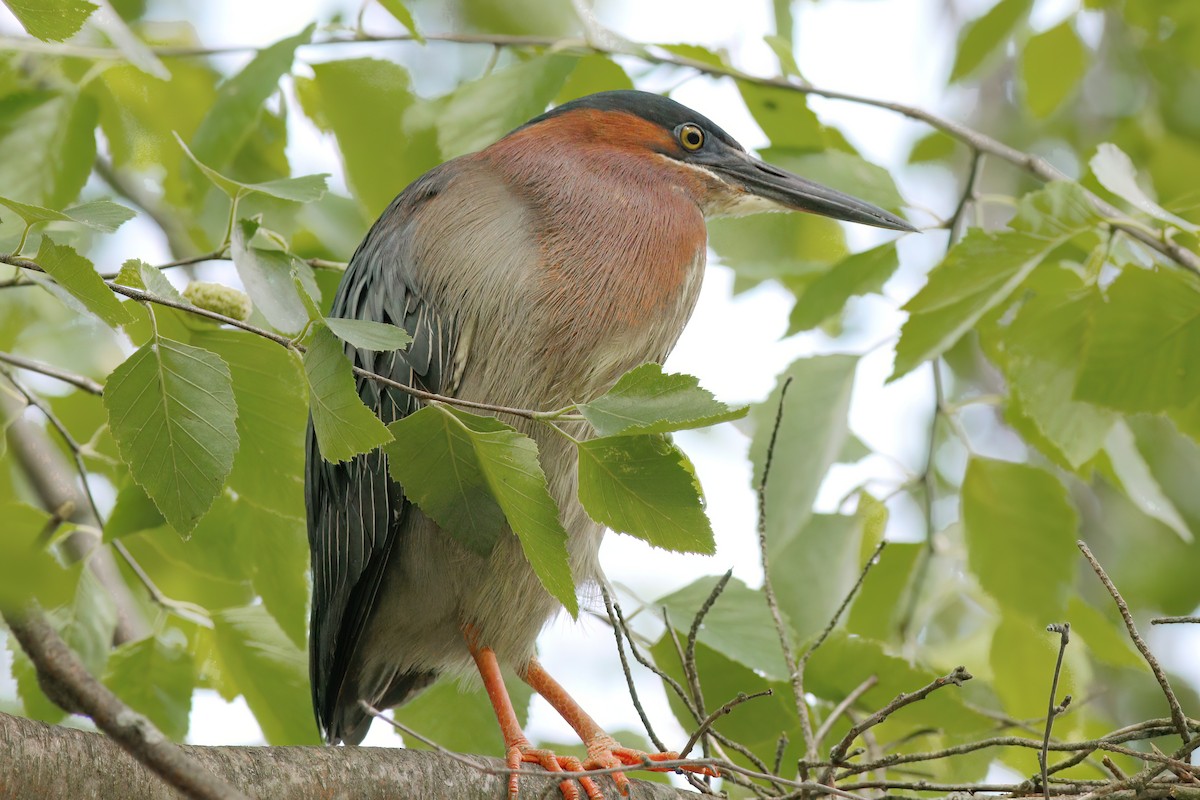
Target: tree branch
(69, 684)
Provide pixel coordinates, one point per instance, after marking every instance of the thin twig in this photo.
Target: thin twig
(1177, 715)
(837, 615)
(708, 721)
(689, 652)
(618, 630)
(78, 381)
(1064, 636)
(1175, 620)
(781, 628)
(958, 676)
(78, 692)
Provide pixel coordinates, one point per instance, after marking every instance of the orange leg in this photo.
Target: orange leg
(604, 752)
(517, 747)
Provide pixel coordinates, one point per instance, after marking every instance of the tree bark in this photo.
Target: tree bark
(51, 762)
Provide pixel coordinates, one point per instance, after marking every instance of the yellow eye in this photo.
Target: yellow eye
(690, 136)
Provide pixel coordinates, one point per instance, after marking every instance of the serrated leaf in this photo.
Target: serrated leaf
(471, 474)
(1020, 530)
(264, 666)
(240, 100)
(138, 274)
(984, 36)
(471, 119)
(1052, 68)
(647, 400)
(983, 270)
(171, 410)
(400, 11)
(1145, 344)
(155, 677)
(51, 20)
(77, 275)
(646, 487)
(815, 413)
(1116, 172)
(267, 276)
(369, 335)
(344, 426)
(1039, 355)
(857, 274)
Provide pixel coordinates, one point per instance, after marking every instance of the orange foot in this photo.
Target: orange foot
(604, 752)
(551, 762)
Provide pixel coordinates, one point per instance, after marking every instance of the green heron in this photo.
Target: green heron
(531, 274)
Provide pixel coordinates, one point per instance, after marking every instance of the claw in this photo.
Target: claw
(551, 762)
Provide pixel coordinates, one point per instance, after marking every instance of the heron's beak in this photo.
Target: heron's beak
(791, 191)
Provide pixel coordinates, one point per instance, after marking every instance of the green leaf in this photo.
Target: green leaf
(343, 425)
(646, 487)
(1115, 171)
(171, 410)
(1133, 475)
(791, 248)
(88, 623)
(155, 677)
(984, 269)
(858, 274)
(303, 189)
(1103, 636)
(647, 400)
(1020, 531)
(51, 20)
(364, 102)
(814, 413)
(471, 474)
(100, 215)
(1145, 343)
(985, 35)
(140, 275)
(1022, 661)
(593, 74)
(240, 100)
(398, 10)
(368, 335)
(738, 625)
(880, 603)
(933, 146)
(27, 570)
(264, 666)
(814, 570)
(1039, 355)
(1052, 68)
(133, 511)
(267, 276)
(784, 117)
(269, 387)
(472, 119)
(77, 275)
(54, 133)
(843, 171)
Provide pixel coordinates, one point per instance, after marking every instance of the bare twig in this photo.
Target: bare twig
(841, 609)
(1064, 636)
(1177, 715)
(1175, 620)
(77, 691)
(958, 676)
(619, 629)
(689, 652)
(708, 721)
(79, 381)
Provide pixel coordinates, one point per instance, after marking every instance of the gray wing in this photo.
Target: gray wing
(355, 512)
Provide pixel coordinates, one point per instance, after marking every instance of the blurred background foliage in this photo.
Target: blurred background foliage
(1059, 355)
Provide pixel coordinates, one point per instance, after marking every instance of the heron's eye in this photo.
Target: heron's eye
(690, 136)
